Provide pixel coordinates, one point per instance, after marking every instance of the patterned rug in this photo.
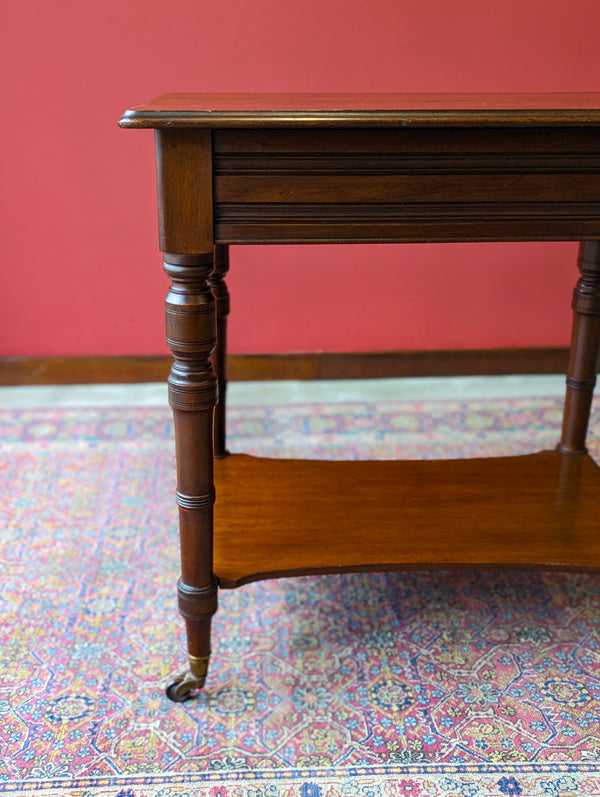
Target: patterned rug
(452, 684)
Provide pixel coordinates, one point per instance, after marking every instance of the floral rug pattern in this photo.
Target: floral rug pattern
(420, 683)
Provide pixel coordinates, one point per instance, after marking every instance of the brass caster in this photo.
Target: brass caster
(181, 689)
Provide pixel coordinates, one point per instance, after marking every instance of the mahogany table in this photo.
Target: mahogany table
(244, 169)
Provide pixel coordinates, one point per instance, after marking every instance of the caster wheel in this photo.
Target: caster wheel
(179, 691)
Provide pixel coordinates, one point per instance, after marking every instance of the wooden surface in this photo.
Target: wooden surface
(243, 169)
(185, 218)
(297, 365)
(341, 110)
(292, 517)
(395, 364)
(238, 169)
(406, 184)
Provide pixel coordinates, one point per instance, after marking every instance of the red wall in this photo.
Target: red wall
(81, 270)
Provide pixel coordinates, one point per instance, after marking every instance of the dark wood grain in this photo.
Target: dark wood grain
(584, 352)
(219, 288)
(412, 185)
(185, 213)
(363, 110)
(459, 189)
(381, 168)
(191, 337)
(406, 147)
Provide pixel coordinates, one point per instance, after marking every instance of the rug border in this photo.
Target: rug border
(291, 776)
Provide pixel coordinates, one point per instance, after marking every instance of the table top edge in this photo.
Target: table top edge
(364, 110)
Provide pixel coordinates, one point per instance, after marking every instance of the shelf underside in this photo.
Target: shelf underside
(291, 517)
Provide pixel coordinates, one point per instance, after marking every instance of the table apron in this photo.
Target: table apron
(282, 186)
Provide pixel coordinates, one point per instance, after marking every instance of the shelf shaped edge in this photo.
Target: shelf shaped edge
(276, 518)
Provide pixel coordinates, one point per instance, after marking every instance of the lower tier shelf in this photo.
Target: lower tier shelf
(276, 517)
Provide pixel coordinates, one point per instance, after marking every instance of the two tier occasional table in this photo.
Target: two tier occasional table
(260, 168)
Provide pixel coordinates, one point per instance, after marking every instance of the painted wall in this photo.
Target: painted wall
(81, 272)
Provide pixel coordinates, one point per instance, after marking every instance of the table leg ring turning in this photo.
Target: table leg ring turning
(197, 607)
(353, 169)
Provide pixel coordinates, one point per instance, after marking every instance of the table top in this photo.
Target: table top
(365, 110)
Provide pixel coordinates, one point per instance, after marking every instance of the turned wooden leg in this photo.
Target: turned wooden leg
(219, 359)
(190, 314)
(585, 347)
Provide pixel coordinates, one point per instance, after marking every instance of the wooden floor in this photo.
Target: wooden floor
(292, 517)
